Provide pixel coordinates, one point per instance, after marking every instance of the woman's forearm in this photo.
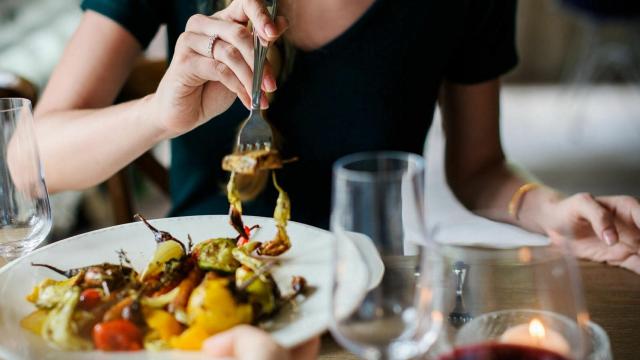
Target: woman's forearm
(489, 194)
(81, 148)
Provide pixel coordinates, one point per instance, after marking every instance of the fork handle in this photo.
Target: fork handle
(260, 54)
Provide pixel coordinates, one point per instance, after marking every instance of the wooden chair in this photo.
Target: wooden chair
(12, 85)
(144, 80)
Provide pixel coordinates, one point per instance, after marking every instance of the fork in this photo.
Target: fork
(255, 133)
(459, 315)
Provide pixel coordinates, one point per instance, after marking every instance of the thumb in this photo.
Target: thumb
(221, 345)
(244, 342)
(600, 218)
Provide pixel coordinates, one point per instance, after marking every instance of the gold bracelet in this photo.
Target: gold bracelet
(516, 199)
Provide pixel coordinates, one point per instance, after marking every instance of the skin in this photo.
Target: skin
(76, 107)
(234, 344)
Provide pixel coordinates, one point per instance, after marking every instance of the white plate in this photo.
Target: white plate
(310, 256)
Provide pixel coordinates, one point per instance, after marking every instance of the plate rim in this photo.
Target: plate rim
(12, 263)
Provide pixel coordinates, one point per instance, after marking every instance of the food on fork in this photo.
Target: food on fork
(249, 163)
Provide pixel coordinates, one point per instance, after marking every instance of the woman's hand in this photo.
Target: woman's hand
(246, 342)
(201, 84)
(605, 229)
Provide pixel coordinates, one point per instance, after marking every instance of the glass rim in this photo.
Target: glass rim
(25, 102)
(340, 169)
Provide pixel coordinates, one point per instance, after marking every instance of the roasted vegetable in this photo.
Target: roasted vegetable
(249, 163)
(216, 254)
(245, 259)
(235, 207)
(168, 248)
(34, 322)
(164, 324)
(160, 301)
(58, 328)
(281, 215)
(50, 293)
(179, 304)
(261, 292)
(90, 298)
(117, 335)
(190, 339)
(214, 307)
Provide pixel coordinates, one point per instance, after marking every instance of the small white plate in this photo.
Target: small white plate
(310, 256)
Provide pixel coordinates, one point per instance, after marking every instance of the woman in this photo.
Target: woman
(365, 76)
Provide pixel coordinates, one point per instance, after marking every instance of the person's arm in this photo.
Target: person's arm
(81, 140)
(476, 168)
(605, 228)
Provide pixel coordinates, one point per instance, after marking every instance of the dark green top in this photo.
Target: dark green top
(372, 88)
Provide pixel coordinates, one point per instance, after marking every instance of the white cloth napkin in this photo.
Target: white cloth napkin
(454, 223)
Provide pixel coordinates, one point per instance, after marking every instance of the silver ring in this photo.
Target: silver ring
(212, 40)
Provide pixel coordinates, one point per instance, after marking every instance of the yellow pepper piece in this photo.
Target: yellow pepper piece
(213, 307)
(34, 321)
(164, 323)
(190, 339)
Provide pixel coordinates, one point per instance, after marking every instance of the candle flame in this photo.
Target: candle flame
(536, 329)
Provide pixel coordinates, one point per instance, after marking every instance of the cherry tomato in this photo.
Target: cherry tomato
(241, 241)
(89, 298)
(117, 335)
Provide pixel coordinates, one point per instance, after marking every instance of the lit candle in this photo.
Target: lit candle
(534, 334)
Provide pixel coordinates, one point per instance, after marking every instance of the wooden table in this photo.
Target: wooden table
(613, 300)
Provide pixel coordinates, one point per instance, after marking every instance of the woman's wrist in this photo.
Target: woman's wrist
(537, 208)
(148, 115)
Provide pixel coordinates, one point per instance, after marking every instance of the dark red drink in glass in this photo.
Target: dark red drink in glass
(497, 351)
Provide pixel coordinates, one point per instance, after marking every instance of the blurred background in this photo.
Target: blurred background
(570, 110)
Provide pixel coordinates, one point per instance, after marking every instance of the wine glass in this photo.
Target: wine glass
(515, 303)
(377, 217)
(25, 214)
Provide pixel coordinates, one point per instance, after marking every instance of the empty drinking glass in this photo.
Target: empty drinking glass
(25, 214)
(377, 216)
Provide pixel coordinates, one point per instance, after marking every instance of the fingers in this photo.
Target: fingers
(232, 33)
(255, 11)
(226, 66)
(244, 342)
(600, 218)
(625, 207)
(306, 351)
(236, 35)
(631, 263)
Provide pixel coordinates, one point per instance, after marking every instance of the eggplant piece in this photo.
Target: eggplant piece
(168, 249)
(114, 276)
(160, 236)
(216, 254)
(249, 163)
